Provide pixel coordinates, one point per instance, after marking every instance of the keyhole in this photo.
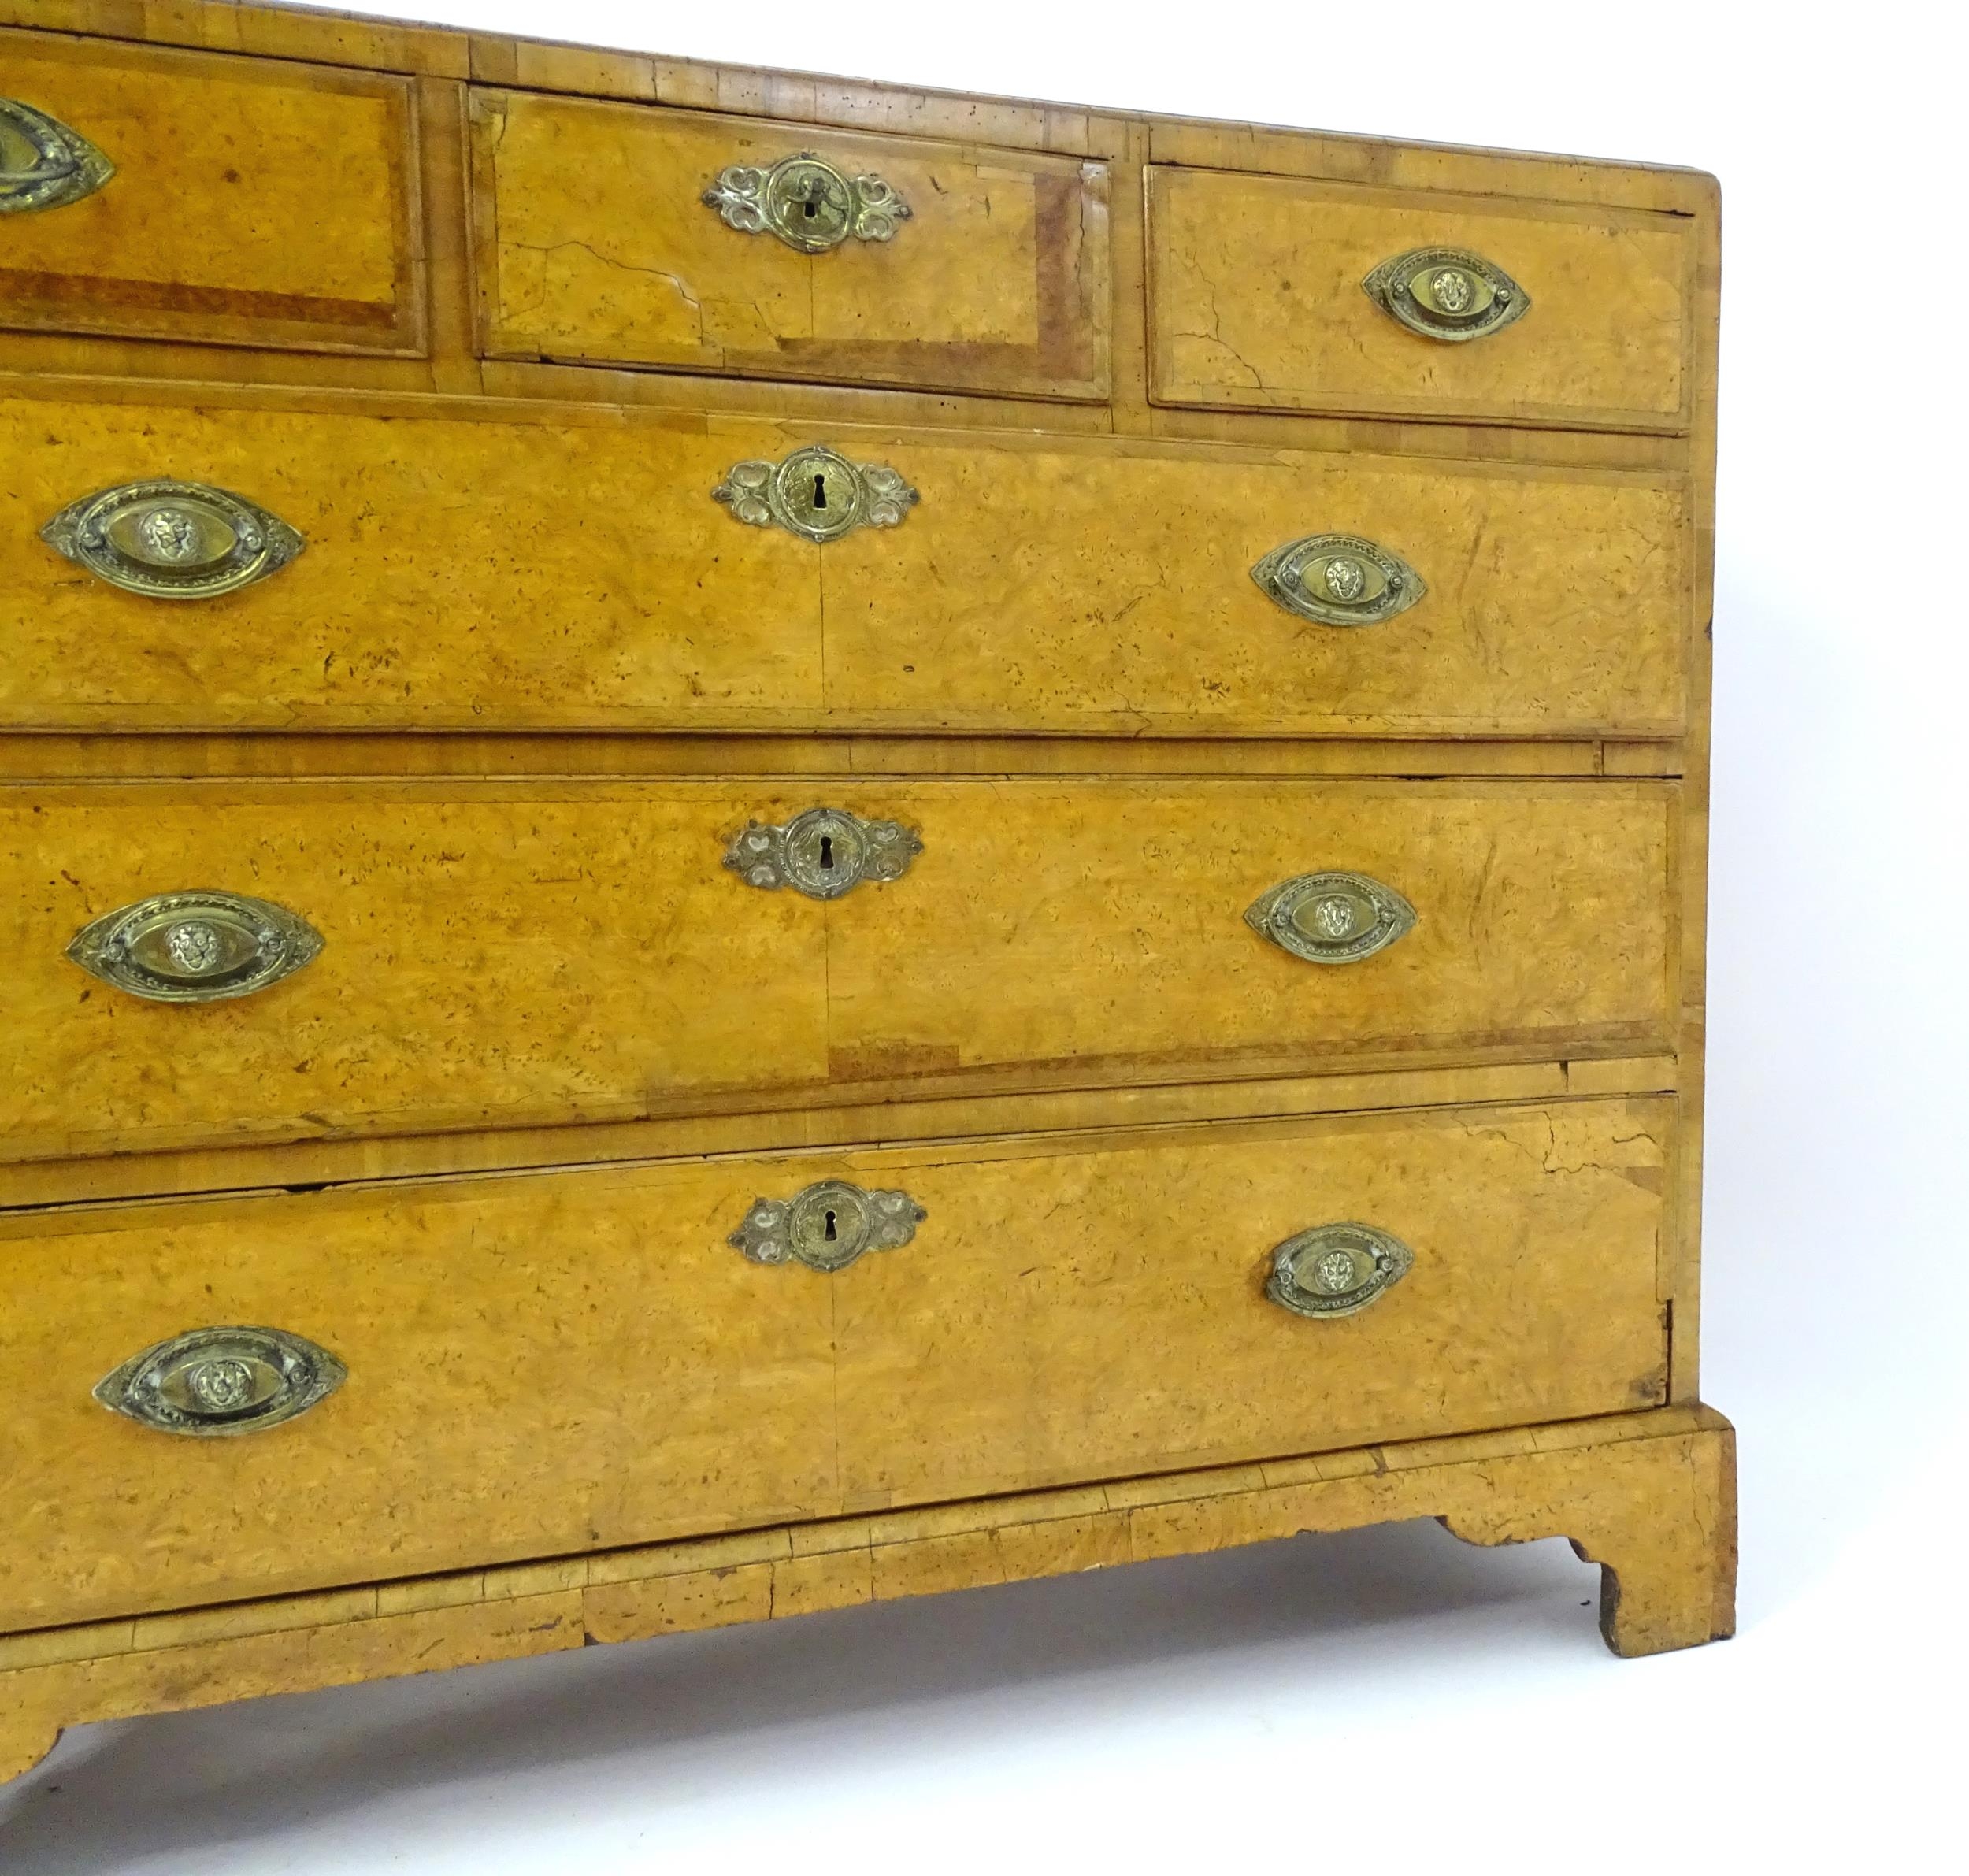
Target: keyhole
(830, 1233)
(809, 208)
(820, 492)
(827, 863)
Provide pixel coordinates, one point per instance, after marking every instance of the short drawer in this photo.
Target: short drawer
(507, 954)
(1257, 302)
(579, 571)
(547, 1365)
(628, 234)
(248, 201)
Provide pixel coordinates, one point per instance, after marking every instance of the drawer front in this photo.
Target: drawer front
(595, 242)
(542, 1365)
(222, 221)
(500, 955)
(481, 575)
(1256, 302)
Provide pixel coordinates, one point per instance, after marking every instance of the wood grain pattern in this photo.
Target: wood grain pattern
(54, 755)
(1148, 364)
(1692, 833)
(453, 573)
(1100, 921)
(884, 1113)
(505, 954)
(997, 281)
(1651, 1497)
(567, 1361)
(470, 574)
(490, 957)
(221, 224)
(1113, 583)
(1256, 300)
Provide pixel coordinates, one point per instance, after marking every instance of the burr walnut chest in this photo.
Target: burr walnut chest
(766, 843)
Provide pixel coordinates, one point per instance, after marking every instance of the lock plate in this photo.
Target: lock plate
(822, 853)
(816, 493)
(807, 202)
(827, 1226)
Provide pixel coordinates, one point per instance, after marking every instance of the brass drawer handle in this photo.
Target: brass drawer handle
(1338, 579)
(43, 163)
(1331, 918)
(827, 1226)
(1336, 1269)
(214, 1382)
(822, 853)
(807, 202)
(172, 540)
(816, 493)
(1447, 293)
(195, 948)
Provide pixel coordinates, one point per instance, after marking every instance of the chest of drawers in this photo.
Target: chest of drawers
(768, 842)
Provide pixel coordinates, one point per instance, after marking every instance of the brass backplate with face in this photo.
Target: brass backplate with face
(1447, 293)
(1336, 1269)
(221, 1382)
(1331, 918)
(172, 540)
(1338, 579)
(200, 946)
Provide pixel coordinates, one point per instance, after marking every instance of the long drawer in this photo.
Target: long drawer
(620, 233)
(460, 1373)
(1263, 297)
(456, 572)
(225, 200)
(504, 953)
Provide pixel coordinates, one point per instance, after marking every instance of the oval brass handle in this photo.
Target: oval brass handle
(816, 493)
(1331, 918)
(807, 202)
(195, 948)
(822, 853)
(220, 1382)
(1338, 579)
(827, 1226)
(43, 163)
(1447, 293)
(1336, 1269)
(172, 540)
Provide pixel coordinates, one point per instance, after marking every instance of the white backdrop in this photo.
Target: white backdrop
(1392, 1694)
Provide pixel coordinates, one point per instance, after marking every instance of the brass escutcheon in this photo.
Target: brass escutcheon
(822, 853)
(816, 493)
(827, 1226)
(807, 202)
